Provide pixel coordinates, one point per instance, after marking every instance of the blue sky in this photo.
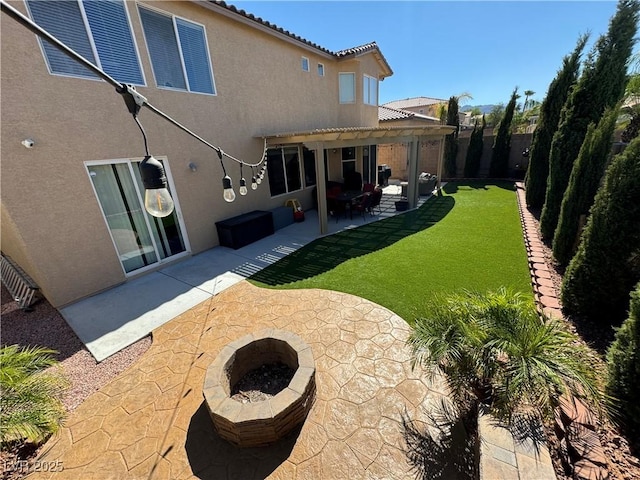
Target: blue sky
(443, 48)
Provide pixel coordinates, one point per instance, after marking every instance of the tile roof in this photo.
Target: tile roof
(386, 113)
(367, 47)
(414, 102)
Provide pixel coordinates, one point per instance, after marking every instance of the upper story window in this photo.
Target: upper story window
(347, 87)
(178, 51)
(99, 31)
(305, 64)
(321, 69)
(370, 90)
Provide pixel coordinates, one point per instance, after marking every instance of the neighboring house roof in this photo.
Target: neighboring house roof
(387, 114)
(272, 28)
(414, 102)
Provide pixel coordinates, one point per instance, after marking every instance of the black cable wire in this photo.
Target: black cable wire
(144, 135)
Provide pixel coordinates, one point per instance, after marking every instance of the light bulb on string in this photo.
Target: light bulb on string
(227, 186)
(254, 183)
(243, 183)
(228, 194)
(157, 199)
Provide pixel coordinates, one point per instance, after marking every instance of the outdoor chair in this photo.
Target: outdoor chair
(376, 197)
(364, 205)
(368, 187)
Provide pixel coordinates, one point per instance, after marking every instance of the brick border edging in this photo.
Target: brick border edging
(575, 426)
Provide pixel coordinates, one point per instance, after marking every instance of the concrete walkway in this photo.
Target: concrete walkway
(151, 423)
(112, 320)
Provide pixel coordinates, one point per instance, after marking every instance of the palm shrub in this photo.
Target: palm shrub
(451, 140)
(495, 349)
(30, 407)
(499, 167)
(601, 85)
(607, 264)
(585, 179)
(623, 364)
(474, 151)
(559, 89)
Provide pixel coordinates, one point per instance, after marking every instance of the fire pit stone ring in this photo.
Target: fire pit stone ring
(264, 422)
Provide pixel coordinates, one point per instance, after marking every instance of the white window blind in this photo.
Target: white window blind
(370, 90)
(112, 37)
(196, 56)
(178, 51)
(102, 35)
(347, 87)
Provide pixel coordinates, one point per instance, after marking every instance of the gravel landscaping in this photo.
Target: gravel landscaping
(44, 326)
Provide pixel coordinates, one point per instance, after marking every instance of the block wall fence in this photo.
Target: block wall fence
(397, 156)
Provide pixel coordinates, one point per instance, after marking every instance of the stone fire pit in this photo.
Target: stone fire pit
(264, 422)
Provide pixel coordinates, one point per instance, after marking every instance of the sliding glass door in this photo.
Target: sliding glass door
(140, 239)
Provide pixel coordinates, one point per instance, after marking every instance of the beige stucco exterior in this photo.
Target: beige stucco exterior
(52, 224)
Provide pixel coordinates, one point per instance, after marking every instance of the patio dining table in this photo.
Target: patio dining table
(346, 199)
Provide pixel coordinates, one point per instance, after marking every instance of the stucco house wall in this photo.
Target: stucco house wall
(52, 224)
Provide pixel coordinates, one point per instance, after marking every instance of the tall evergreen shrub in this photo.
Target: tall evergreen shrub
(607, 263)
(559, 89)
(474, 152)
(601, 85)
(585, 179)
(623, 364)
(451, 140)
(499, 167)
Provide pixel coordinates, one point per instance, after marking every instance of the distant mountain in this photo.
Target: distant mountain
(483, 108)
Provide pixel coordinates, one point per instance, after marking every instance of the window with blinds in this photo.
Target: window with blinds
(178, 52)
(99, 31)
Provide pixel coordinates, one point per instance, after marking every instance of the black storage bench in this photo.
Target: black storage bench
(236, 232)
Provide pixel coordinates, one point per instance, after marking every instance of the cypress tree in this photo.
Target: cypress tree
(474, 152)
(559, 89)
(499, 167)
(583, 184)
(623, 364)
(607, 264)
(451, 140)
(601, 85)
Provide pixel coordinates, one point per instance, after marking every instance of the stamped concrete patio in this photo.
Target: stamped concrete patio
(151, 421)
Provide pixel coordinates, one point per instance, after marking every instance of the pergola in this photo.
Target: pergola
(329, 138)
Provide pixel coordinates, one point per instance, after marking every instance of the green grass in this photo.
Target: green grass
(469, 238)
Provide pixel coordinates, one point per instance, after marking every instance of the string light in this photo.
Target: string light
(227, 186)
(243, 183)
(254, 183)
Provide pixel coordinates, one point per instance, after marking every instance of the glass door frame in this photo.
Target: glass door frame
(140, 195)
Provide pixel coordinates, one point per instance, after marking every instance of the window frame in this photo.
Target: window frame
(305, 64)
(131, 164)
(367, 82)
(301, 167)
(92, 44)
(183, 66)
(352, 98)
(320, 69)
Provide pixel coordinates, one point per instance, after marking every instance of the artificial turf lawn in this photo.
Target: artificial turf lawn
(469, 238)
